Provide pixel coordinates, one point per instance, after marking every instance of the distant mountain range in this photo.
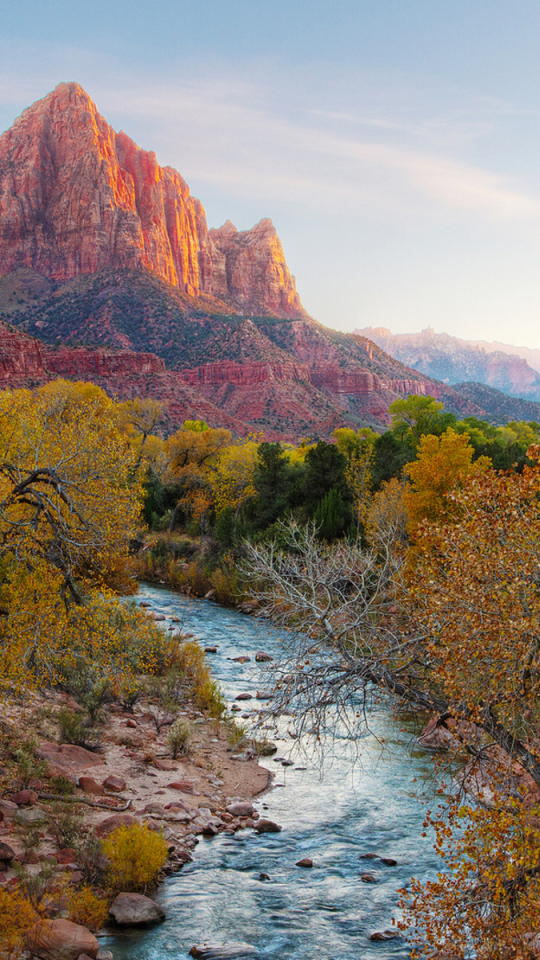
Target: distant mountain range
(108, 272)
(454, 361)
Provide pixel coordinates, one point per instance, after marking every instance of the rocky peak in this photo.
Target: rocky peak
(77, 197)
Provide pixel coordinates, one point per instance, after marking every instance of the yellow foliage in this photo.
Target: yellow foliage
(233, 475)
(136, 856)
(190, 662)
(87, 909)
(17, 918)
(442, 464)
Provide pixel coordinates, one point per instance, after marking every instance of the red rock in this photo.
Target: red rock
(67, 758)
(6, 853)
(67, 855)
(91, 786)
(25, 798)
(107, 826)
(163, 764)
(267, 826)
(115, 783)
(183, 785)
(77, 197)
(305, 862)
(132, 724)
(62, 940)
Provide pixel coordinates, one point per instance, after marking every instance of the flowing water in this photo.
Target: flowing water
(366, 803)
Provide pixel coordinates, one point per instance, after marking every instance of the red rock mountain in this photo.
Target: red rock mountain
(76, 197)
(106, 258)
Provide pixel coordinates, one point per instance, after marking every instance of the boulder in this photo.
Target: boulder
(380, 936)
(164, 764)
(104, 955)
(8, 809)
(241, 808)
(368, 878)
(107, 826)
(6, 853)
(267, 826)
(244, 696)
(135, 910)
(67, 759)
(25, 798)
(116, 784)
(222, 951)
(262, 657)
(67, 855)
(305, 862)
(91, 786)
(62, 940)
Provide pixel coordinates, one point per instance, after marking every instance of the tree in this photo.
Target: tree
(416, 415)
(69, 503)
(233, 476)
(442, 464)
(325, 468)
(273, 482)
(191, 453)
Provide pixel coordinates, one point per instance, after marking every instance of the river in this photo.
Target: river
(365, 803)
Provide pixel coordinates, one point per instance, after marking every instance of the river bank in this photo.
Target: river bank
(130, 778)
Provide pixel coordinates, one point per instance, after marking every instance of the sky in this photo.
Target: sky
(394, 143)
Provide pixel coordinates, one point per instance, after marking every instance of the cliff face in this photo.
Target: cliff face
(76, 197)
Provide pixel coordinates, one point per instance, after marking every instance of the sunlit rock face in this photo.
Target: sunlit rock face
(77, 197)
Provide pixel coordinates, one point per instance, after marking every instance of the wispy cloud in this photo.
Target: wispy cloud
(370, 146)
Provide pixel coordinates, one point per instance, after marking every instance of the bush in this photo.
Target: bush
(73, 727)
(136, 856)
(66, 825)
(17, 917)
(194, 676)
(178, 737)
(86, 908)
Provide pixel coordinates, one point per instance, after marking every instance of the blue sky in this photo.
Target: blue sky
(395, 143)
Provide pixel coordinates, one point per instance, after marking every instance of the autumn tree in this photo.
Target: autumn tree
(442, 464)
(191, 454)
(69, 502)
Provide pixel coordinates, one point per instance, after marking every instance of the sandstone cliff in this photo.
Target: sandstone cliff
(77, 197)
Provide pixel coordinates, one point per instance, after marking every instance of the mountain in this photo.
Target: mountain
(108, 272)
(76, 197)
(453, 360)
(530, 354)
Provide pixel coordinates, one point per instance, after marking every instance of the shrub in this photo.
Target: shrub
(189, 661)
(136, 856)
(17, 917)
(178, 737)
(90, 857)
(73, 727)
(66, 824)
(86, 908)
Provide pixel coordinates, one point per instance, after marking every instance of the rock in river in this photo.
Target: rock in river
(222, 951)
(134, 910)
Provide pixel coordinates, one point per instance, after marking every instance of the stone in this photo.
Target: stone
(104, 955)
(62, 940)
(389, 861)
(244, 696)
(8, 809)
(184, 786)
(161, 763)
(262, 657)
(67, 855)
(6, 853)
(107, 826)
(222, 951)
(267, 826)
(132, 724)
(264, 876)
(66, 758)
(91, 786)
(264, 695)
(369, 856)
(30, 815)
(380, 936)
(305, 862)
(84, 956)
(210, 649)
(242, 659)
(211, 595)
(135, 910)
(25, 798)
(368, 878)
(116, 784)
(240, 808)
